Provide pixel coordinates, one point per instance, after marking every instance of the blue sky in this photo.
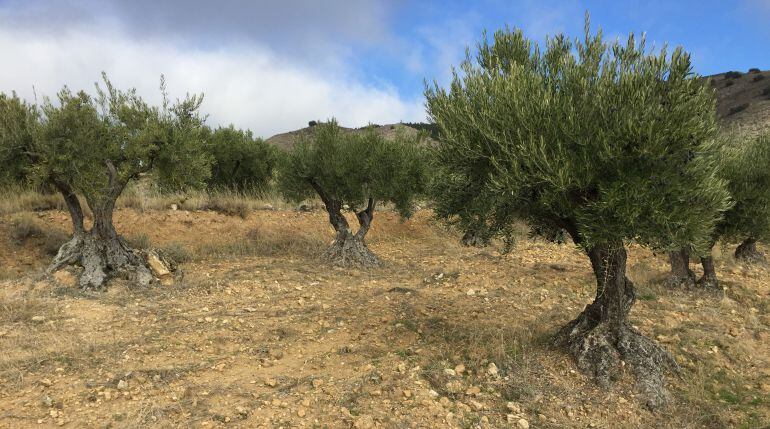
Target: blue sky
(274, 65)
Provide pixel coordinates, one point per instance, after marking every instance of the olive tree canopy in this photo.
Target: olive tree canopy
(357, 170)
(605, 141)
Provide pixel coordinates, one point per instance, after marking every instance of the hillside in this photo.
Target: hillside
(286, 140)
(743, 99)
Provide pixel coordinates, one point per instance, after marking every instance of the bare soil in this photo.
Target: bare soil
(259, 333)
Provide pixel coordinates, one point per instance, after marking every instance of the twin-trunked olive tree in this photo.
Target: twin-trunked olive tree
(610, 142)
(92, 146)
(355, 170)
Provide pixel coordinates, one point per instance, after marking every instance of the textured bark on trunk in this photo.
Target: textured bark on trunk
(681, 274)
(709, 281)
(101, 252)
(348, 249)
(601, 337)
(747, 252)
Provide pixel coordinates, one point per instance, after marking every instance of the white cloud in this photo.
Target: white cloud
(246, 85)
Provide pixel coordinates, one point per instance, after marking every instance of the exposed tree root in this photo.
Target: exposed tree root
(747, 253)
(709, 282)
(350, 251)
(102, 260)
(600, 349)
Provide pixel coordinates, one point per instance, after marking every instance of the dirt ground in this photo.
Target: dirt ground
(258, 333)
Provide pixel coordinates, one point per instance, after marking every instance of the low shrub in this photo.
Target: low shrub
(758, 77)
(139, 241)
(25, 227)
(733, 75)
(177, 253)
(754, 70)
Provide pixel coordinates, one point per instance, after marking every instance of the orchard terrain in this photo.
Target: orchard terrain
(259, 333)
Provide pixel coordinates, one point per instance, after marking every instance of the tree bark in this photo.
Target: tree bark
(601, 338)
(747, 252)
(73, 206)
(348, 249)
(101, 252)
(681, 274)
(709, 281)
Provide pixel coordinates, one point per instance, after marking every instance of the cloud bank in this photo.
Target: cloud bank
(246, 82)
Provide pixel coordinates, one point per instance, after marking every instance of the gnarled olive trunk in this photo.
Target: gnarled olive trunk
(681, 274)
(601, 337)
(348, 248)
(747, 252)
(101, 252)
(709, 279)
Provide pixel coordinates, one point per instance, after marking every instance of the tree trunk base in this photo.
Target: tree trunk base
(350, 252)
(674, 281)
(600, 349)
(747, 253)
(474, 239)
(102, 259)
(709, 283)
(681, 275)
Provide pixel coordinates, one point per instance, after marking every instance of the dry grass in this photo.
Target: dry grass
(17, 199)
(25, 227)
(261, 241)
(141, 197)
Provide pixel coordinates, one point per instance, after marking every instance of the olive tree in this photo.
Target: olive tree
(240, 161)
(745, 165)
(355, 170)
(606, 141)
(94, 146)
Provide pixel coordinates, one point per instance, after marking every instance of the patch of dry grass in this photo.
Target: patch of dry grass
(16, 199)
(261, 241)
(25, 228)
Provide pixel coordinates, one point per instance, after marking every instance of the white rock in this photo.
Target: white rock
(492, 369)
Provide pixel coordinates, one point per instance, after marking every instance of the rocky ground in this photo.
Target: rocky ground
(258, 334)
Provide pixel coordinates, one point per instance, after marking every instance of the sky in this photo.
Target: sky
(272, 66)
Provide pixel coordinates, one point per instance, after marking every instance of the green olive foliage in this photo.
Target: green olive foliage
(95, 145)
(746, 167)
(17, 122)
(607, 141)
(353, 167)
(240, 161)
